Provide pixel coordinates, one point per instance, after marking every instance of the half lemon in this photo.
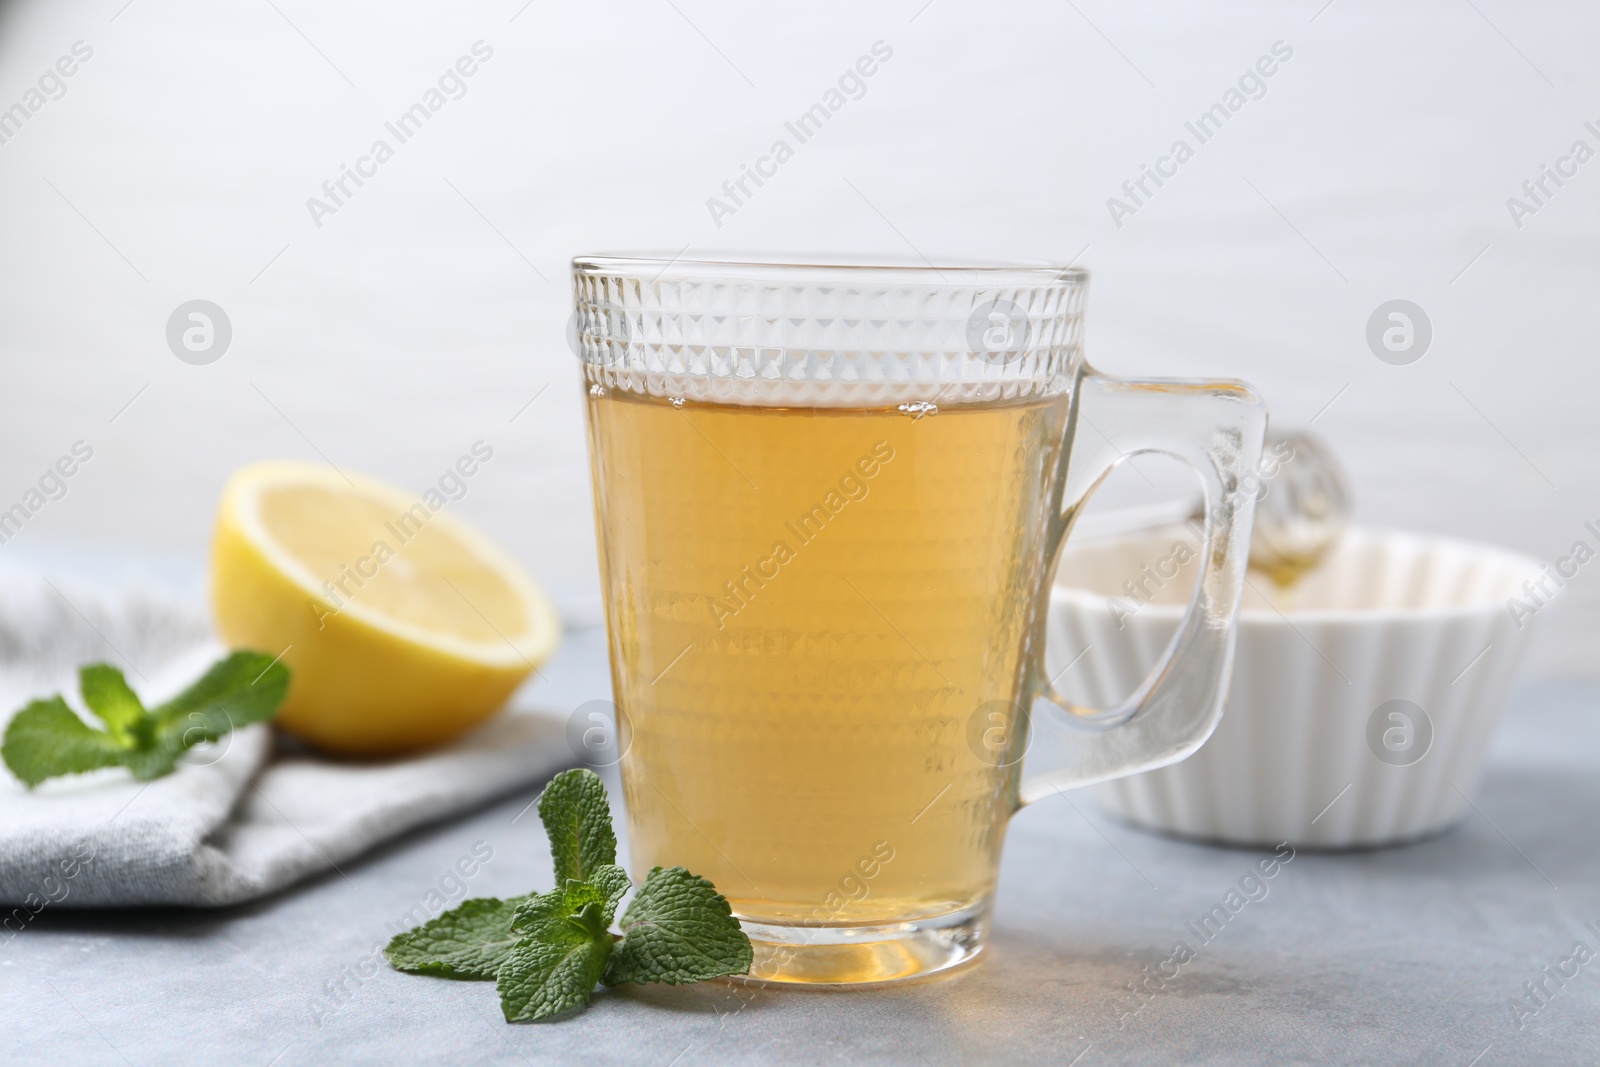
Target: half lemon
(402, 625)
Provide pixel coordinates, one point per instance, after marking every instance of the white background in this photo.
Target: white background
(430, 309)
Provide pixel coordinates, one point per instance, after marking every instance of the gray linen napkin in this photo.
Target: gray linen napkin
(234, 821)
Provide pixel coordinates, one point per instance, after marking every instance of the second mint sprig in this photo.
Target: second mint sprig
(546, 952)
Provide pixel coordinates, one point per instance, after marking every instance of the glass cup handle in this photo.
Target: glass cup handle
(1217, 428)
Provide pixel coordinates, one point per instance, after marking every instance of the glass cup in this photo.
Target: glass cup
(830, 499)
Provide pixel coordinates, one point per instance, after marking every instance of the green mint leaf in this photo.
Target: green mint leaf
(605, 890)
(153, 761)
(472, 940)
(614, 883)
(537, 908)
(591, 919)
(47, 738)
(579, 895)
(577, 816)
(678, 929)
(241, 689)
(558, 961)
(106, 692)
(237, 691)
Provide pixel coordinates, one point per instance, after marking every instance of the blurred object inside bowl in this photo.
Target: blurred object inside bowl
(1302, 509)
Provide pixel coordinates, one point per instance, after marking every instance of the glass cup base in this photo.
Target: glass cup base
(824, 956)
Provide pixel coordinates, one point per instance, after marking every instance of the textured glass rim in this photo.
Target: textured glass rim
(831, 268)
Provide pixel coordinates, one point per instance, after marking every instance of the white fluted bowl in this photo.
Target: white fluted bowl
(1310, 749)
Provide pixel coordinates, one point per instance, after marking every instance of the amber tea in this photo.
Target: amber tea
(807, 608)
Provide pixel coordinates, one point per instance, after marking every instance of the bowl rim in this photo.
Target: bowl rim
(1511, 559)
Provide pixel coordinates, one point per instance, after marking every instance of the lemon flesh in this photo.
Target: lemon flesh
(402, 626)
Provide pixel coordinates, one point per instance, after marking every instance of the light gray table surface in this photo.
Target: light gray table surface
(1406, 955)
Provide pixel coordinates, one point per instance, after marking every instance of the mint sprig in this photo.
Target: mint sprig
(47, 738)
(547, 952)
